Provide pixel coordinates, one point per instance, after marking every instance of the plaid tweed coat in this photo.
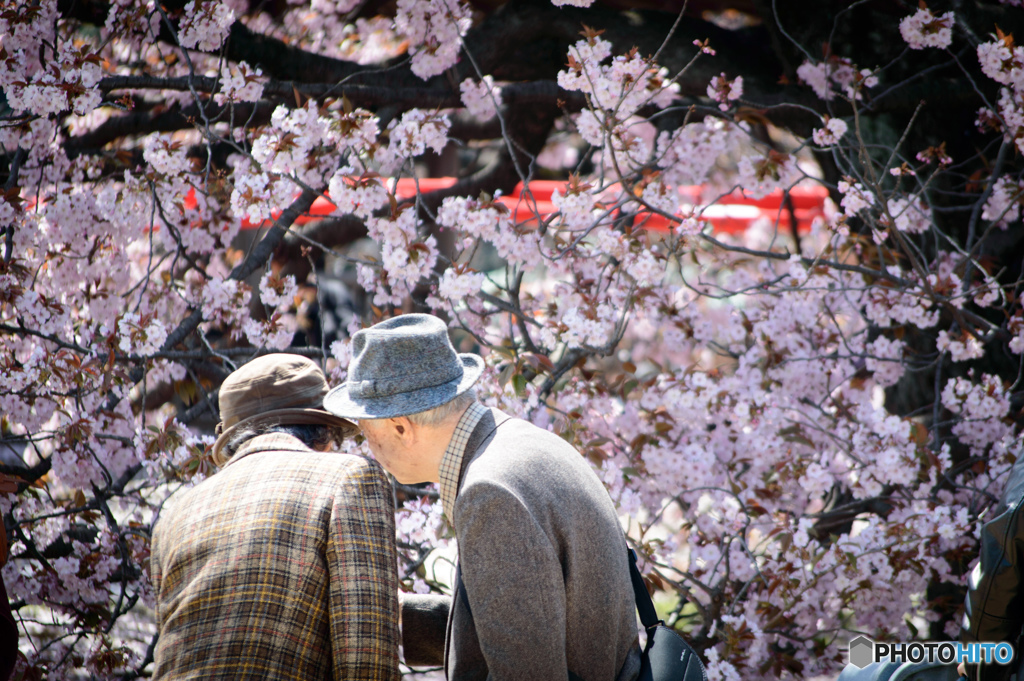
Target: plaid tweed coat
(280, 566)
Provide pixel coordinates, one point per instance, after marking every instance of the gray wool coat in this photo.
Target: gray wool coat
(542, 587)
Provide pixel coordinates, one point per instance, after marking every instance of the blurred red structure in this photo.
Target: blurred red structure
(732, 213)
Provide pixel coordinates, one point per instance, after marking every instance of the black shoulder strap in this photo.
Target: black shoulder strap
(648, 615)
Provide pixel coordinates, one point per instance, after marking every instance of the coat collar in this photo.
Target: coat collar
(267, 442)
(455, 454)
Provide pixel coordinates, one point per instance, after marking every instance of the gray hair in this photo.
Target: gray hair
(316, 436)
(438, 415)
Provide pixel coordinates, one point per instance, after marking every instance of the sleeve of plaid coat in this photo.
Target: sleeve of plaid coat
(362, 562)
(155, 575)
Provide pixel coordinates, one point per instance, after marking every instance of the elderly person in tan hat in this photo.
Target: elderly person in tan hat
(281, 565)
(543, 585)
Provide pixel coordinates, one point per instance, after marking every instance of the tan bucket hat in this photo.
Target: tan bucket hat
(273, 389)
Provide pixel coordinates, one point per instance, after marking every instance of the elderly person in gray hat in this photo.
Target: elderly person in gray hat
(281, 565)
(542, 584)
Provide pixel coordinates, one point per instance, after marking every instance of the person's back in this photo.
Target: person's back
(259, 565)
(532, 515)
(281, 565)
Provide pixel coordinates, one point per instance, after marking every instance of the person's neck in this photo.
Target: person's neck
(436, 440)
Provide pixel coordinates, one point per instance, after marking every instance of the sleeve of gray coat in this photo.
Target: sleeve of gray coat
(514, 584)
(424, 625)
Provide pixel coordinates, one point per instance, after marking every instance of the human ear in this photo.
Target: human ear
(403, 427)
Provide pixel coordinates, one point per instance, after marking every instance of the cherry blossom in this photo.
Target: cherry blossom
(833, 131)
(1003, 205)
(276, 291)
(434, 28)
(731, 333)
(482, 99)
(459, 286)
(924, 29)
(417, 131)
(911, 215)
(761, 175)
(724, 91)
(205, 25)
(960, 349)
(1002, 61)
(689, 153)
(357, 195)
(240, 83)
(825, 76)
(855, 197)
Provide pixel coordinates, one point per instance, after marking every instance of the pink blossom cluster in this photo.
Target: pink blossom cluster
(298, 142)
(894, 307)
(689, 153)
(615, 92)
(224, 301)
(455, 286)
(826, 76)
(205, 24)
(856, 197)
(1003, 61)
(132, 22)
(274, 333)
(761, 175)
(240, 83)
(481, 220)
(277, 291)
(44, 92)
(482, 98)
(606, 83)
(1003, 205)
(725, 91)
(830, 135)
(924, 29)
(434, 29)
(911, 214)
(982, 405)
(407, 256)
(416, 132)
(576, 207)
(357, 195)
(961, 349)
(140, 336)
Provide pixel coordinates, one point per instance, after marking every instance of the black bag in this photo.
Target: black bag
(667, 656)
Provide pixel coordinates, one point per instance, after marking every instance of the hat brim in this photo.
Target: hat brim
(339, 402)
(294, 417)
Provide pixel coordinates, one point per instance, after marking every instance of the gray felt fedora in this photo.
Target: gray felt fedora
(402, 366)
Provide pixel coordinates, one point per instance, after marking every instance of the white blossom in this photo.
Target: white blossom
(923, 29)
(833, 131)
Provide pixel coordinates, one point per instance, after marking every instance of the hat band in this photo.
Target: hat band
(385, 387)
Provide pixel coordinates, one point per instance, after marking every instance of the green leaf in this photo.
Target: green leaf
(505, 374)
(506, 352)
